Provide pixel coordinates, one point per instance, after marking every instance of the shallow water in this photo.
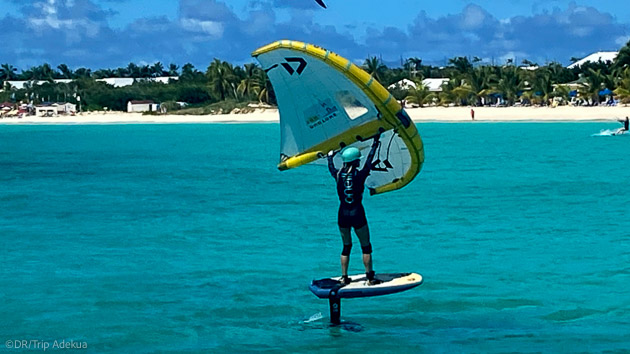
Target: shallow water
(142, 238)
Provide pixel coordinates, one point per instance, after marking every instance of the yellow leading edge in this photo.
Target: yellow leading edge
(392, 116)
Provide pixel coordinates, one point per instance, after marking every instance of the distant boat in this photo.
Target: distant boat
(321, 3)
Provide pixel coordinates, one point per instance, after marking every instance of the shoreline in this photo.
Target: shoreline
(418, 115)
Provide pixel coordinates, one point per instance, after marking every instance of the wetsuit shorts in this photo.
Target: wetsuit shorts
(352, 217)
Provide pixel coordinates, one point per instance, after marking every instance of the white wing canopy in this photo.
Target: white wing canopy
(327, 103)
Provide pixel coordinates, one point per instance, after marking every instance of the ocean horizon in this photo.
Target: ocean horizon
(186, 238)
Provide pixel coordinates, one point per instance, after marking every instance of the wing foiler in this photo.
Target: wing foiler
(327, 103)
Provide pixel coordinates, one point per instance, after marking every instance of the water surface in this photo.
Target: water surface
(142, 238)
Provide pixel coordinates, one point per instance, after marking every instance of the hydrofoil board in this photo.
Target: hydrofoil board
(390, 283)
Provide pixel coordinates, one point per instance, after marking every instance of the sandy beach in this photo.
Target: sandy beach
(426, 114)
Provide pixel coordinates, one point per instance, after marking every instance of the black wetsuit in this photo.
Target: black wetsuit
(350, 186)
(626, 123)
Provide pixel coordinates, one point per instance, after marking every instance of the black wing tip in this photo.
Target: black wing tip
(321, 3)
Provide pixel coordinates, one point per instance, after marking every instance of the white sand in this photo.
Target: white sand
(450, 114)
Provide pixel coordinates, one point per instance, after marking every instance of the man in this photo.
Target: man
(625, 123)
(350, 182)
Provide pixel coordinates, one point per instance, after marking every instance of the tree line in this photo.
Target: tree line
(471, 82)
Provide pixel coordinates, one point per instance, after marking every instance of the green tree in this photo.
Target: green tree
(543, 84)
(412, 66)
(510, 83)
(173, 70)
(375, 67)
(157, 70)
(419, 95)
(66, 72)
(480, 81)
(461, 64)
(7, 72)
(221, 77)
(623, 58)
(133, 70)
(594, 82)
(83, 73)
(250, 85)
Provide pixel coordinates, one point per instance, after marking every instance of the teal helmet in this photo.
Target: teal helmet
(350, 154)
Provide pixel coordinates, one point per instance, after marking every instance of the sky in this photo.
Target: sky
(112, 33)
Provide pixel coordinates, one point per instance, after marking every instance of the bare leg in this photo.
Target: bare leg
(346, 237)
(364, 237)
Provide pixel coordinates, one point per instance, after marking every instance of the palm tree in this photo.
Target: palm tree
(43, 72)
(480, 80)
(463, 93)
(133, 70)
(623, 58)
(419, 95)
(172, 70)
(543, 84)
(461, 64)
(529, 63)
(221, 77)
(560, 74)
(84, 73)
(264, 88)
(412, 65)
(623, 79)
(510, 83)
(562, 91)
(7, 72)
(375, 67)
(249, 85)
(66, 72)
(188, 72)
(146, 71)
(27, 75)
(157, 70)
(594, 82)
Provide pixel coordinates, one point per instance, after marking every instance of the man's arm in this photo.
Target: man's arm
(331, 164)
(369, 162)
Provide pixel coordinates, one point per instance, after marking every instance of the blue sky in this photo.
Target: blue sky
(112, 33)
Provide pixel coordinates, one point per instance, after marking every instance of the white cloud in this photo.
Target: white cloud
(473, 17)
(213, 29)
(71, 31)
(622, 40)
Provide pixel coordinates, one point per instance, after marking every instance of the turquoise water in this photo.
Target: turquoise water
(143, 238)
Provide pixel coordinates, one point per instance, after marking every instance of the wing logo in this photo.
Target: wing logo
(290, 66)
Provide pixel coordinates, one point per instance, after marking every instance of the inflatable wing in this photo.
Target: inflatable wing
(327, 103)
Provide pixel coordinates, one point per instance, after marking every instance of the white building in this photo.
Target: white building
(434, 85)
(66, 108)
(21, 84)
(46, 111)
(117, 81)
(594, 58)
(55, 109)
(142, 106)
(114, 81)
(161, 79)
(404, 84)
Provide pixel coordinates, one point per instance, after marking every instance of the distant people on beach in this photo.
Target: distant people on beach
(472, 114)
